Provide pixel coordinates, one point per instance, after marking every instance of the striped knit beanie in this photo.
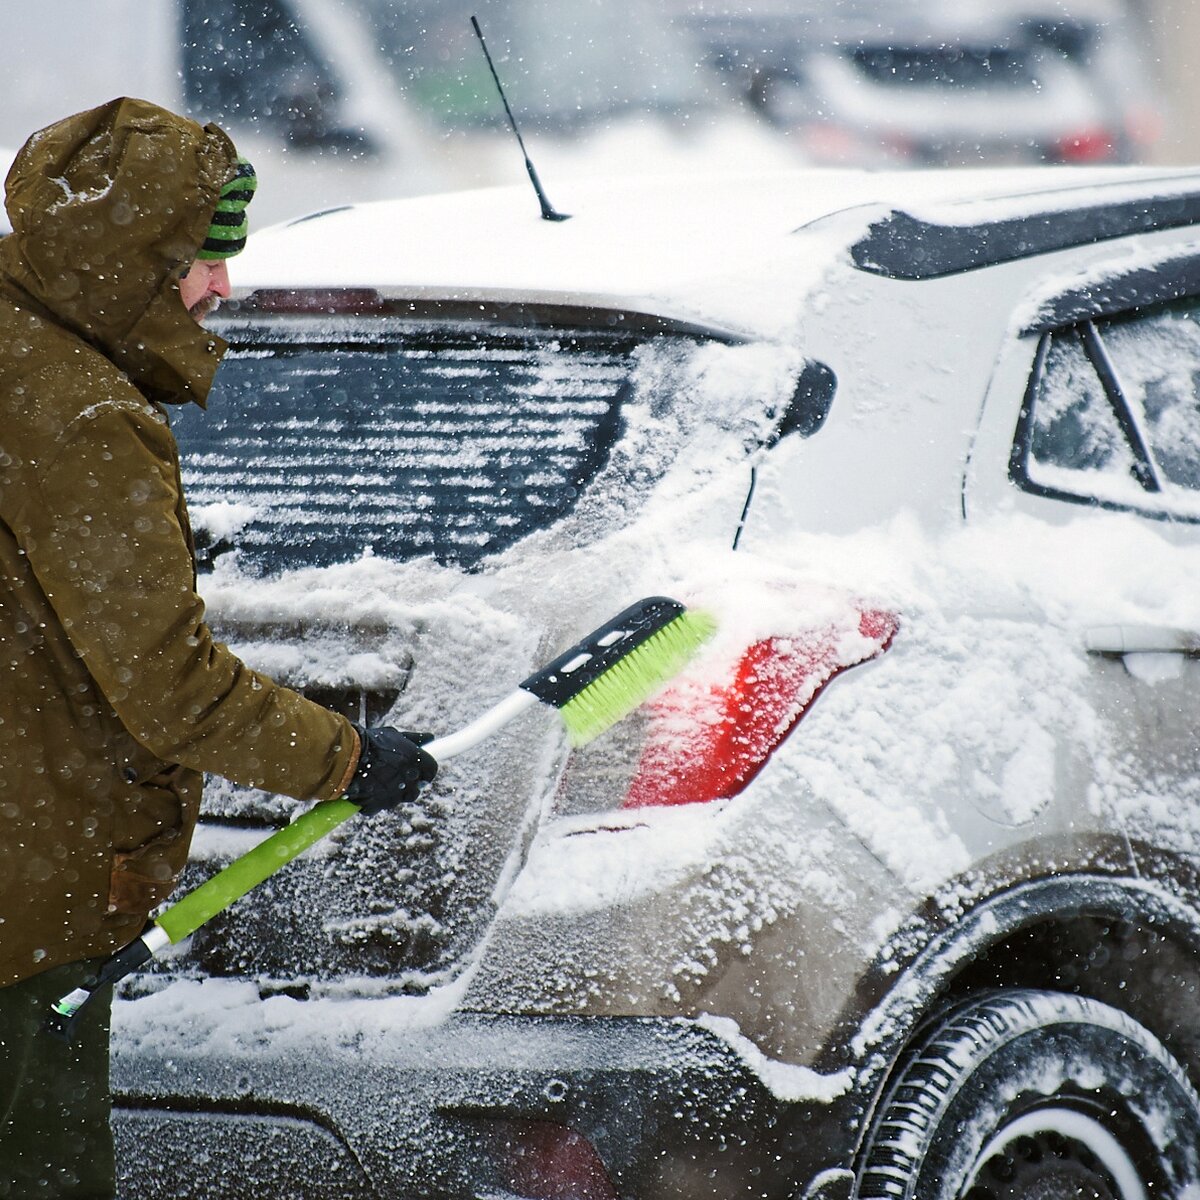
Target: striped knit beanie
(227, 233)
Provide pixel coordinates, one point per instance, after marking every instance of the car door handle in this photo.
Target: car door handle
(1141, 639)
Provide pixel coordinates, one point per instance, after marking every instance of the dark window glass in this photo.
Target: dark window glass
(1113, 413)
(1074, 427)
(1157, 359)
(247, 63)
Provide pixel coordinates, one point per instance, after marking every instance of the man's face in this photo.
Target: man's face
(204, 285)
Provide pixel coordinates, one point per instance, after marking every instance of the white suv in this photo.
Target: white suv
(894, 892)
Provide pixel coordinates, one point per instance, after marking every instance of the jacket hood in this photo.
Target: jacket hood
(107, 207)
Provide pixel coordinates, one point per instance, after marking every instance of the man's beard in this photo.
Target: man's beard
(204, 308)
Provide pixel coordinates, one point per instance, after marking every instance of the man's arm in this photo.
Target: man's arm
(102, 532)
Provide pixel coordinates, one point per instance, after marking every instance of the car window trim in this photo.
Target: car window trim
(1121, 293)
(541, 313)
(1144, 470)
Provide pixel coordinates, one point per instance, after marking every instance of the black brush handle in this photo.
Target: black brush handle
(572, 671)
(64, 1016)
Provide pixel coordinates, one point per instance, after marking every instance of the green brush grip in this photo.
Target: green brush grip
(246, 873)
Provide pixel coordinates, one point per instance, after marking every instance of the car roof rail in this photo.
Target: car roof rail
(903, 246)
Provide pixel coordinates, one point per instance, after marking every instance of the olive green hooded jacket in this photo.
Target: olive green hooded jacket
(113, 694)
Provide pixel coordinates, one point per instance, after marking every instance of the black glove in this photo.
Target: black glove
(392, 768)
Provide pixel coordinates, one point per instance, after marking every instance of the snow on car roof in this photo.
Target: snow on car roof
(658, 243)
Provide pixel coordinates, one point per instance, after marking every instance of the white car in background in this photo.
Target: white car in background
(963, 82)
(895, 891)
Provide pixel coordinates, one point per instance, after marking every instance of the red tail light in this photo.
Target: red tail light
(1088, 145)
(709, 744)
(541, 1160)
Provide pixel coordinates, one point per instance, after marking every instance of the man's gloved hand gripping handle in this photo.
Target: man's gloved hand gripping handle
(392, 768)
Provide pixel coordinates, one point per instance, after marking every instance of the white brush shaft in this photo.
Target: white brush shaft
(156, 939)
(482, 727)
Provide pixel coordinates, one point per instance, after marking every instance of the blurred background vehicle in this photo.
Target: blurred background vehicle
(865, 84)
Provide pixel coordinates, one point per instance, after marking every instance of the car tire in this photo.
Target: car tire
(1034, 1094)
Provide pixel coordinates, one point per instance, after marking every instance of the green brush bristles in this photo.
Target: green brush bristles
(635, 678)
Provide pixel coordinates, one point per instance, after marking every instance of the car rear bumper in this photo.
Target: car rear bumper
(670, 1108)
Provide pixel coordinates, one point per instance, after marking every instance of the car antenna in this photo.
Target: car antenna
(549, 212)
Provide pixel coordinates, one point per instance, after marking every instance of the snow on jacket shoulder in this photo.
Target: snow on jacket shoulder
(114, 696)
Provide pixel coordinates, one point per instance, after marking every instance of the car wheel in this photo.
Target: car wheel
(1035, 1095)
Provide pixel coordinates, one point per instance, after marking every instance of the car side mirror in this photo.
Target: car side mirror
(808, 407)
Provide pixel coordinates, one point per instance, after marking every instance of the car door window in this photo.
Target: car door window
(1112, 414)
(1158, 361)
(1074, 427)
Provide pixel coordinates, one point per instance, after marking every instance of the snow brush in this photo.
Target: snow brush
(593, 685)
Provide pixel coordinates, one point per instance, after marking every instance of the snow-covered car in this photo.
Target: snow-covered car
(894, 891)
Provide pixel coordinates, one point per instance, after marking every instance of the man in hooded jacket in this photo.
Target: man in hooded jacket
(114, 697)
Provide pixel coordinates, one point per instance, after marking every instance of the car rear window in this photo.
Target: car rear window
(449, 443)
(951, 68)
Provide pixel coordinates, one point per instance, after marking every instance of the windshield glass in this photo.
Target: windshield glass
(449, 445)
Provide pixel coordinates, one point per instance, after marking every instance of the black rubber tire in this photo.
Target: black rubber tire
(1037, 1095)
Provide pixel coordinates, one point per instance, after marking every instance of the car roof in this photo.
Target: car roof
(677, 245)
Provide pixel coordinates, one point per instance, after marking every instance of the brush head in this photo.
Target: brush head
(620, 665)
(636, 676)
